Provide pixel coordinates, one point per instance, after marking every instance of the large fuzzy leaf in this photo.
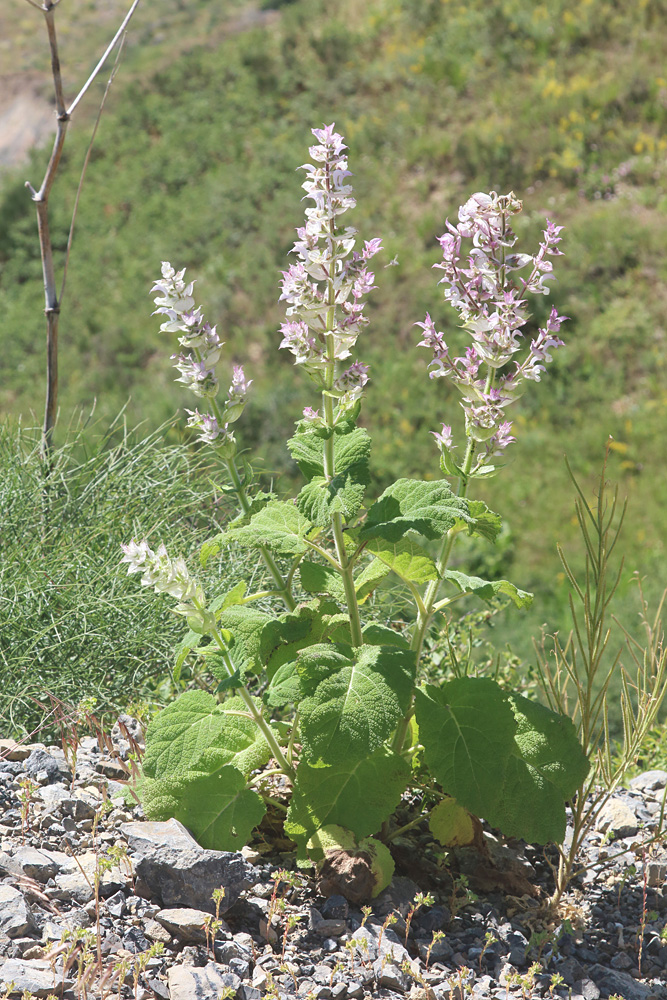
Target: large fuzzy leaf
(350, 450)
(344, 493)
(488, 589)
(217, 807)
(354, 699)
(358, 795)
(406, 558)
(504, 758)
(482, 521)
(279, 526)
(429, 508)
(197, 733)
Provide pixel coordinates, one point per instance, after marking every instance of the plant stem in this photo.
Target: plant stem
(256, 713)
(269, 561)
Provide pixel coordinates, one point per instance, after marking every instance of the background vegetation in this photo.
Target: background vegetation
(195, 163)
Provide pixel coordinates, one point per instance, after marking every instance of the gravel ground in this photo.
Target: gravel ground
(278, 937)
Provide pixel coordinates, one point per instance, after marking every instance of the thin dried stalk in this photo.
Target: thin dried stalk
(41, 199)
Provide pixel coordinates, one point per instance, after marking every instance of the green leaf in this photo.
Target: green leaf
(482, 522)
(358, 795)
(358, 696)
(351, 452)
(318, 579)
(451, 824)
(406, 558)
(211, 548)
(467, 728)
(429, 508)
(253, 632)
(343, 494)
(188, 644)
(197, 733)
(279, 526)
(180, 733)
(547, 767)
(294, 631)
(229, 598)
(284, 688)
(369, 579)
(217, 807)
(504, 758)
(487, 589)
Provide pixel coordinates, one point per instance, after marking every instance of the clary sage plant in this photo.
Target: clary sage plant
(317, 689)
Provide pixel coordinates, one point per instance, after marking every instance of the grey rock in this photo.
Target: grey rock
(355, 991)
(34, 976)
(128, 726)
(42, 763)
(155, 931)
(40, 865)
(570, 970)
(586, 988)
(650, 781)
(390, 977)
(335, 908)
(53, 797)
(656, 871)
(135, 941)
(371, 947)
(248, 993)
(322, 992)
(613, 981)
(618, 817)
(185, 923)
(13, 751)
(160, 989)
(15, 915)
(399, 895)
(176, 878)
(143, 838)
(187, 982)
(323, 927)
(621, 961)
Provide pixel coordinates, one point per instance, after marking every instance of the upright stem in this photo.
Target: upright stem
(256, 713)
(281, 585)
(269, 561)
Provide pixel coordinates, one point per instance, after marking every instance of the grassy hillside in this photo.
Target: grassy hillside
(564, 103)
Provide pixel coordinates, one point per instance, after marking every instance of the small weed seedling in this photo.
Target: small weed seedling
(28, 787)
(489, 939)
(421, 899)
(435, 937)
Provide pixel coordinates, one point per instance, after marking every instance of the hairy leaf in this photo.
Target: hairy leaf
(482, 521)
(357, 698)
(217, 807)
(358, 795)
(451, 824)
(504, 758)
(253, 632)
(296, 630)
(429, 508)
(279, 526)
(488, 589)
(197, 733)
(351, 451)
(284, 688)
(406, 558)
(319, 579)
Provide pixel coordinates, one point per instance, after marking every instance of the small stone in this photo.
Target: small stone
(13, 751)
(587, 989)
(42, 763)
(35, 977)
(53, 797)
(618, 818)
(142, 837)
(156, 932)
(621, 961)
(399, 895)
(325, 928)
(15, 914)
(338, 991)
(390, 977)
(335, 908)
(355, 991)
(187, 924)
(649, 781)
(613, 981)
(186, 982)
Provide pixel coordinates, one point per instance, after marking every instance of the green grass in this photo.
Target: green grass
(71, 622)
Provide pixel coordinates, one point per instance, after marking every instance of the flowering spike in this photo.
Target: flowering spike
(493, 311)
(324, 289)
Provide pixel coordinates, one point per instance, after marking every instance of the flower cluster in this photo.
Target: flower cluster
(492, 310)
(324, 290)
(167, 576)
(197, 367)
